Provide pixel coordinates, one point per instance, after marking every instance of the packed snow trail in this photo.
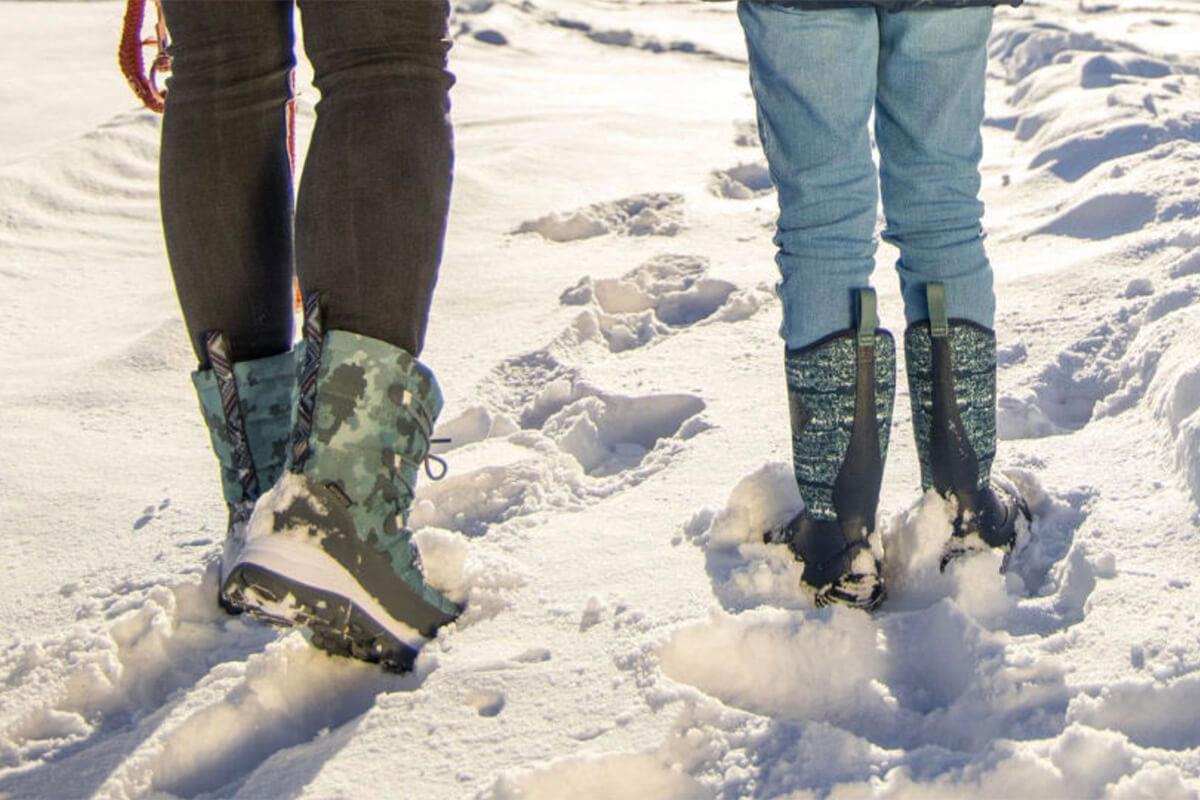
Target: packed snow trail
(605, 332)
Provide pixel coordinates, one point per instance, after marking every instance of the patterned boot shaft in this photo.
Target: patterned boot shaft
(972, 371)
(364, 417)
(822, 381)
(264, 392)
(952, 382)
(840, 392)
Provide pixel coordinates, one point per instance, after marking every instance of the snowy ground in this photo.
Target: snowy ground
(605, 333)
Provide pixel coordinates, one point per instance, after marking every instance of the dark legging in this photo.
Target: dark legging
(375, 192)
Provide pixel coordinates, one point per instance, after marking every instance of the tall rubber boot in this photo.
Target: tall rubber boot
(952, 383)
(328, 548)
(247, 408)
(840, 392)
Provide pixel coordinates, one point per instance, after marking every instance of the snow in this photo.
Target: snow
(605, 333)
(640, 215)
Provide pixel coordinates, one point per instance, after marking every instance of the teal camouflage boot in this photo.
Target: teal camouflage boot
(840, 392)
(247, 408)
(952, 384)
(328, 548)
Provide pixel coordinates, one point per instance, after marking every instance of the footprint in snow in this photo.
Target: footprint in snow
(486, 702)
(651, 214)
(575, 444)
(746, 134)
(151, 513)
(546, 438)
(661, 297)
(742, 182)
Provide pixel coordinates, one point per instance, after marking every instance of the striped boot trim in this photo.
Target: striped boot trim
(217, 348)
(314, 335)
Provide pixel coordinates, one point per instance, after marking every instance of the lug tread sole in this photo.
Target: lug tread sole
(334, 623)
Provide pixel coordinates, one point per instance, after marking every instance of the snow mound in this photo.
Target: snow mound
(1028, 47)
(746, 572)
(1133, 194)
(1174, 395)
(479, 579)
(1080, 103)
(291, 690)
(473, 424)
(774, 662)
(101, 189)
(1151, 714)
(730, 754)
(1110, 370)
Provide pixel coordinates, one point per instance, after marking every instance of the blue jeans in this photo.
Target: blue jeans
(817, 75)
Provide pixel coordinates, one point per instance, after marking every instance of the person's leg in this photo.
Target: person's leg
(813, 74)
(226, 194)
(225, 181)
(375, 192)
(331, 535)
(929, 110)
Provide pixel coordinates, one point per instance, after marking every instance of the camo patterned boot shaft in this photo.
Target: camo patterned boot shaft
(247, 408)
(840, 392)
(328, 547)
(952, 384)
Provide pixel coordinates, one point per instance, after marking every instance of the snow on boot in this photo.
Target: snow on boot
(327, 548)
(247, 407)
(840, 392)
(952, 384)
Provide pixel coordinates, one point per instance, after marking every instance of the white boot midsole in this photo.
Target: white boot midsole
(313, 567)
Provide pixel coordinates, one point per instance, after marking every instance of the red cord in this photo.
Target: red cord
(129, 55)
(145, 84)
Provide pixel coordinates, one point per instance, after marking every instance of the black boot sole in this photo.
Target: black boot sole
(334, 623)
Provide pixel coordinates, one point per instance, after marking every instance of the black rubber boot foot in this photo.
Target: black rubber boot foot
(829, 564)
(1001, 520)
(334, 624)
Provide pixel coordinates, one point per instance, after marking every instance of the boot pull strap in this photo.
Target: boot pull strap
(939, 323)
(306, 401)
(868, 318)
(216, 347)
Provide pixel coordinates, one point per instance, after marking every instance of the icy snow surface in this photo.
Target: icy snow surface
(605, 332)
